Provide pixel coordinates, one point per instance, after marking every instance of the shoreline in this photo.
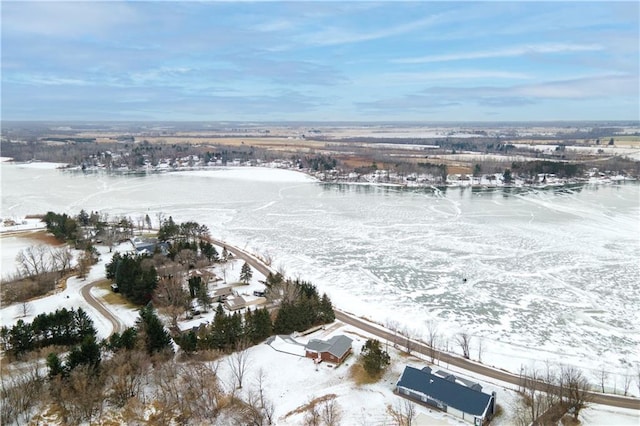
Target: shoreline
(476, 183)
(38, 234)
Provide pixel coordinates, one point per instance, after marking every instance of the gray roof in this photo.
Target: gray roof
(453, 378)
(337, 345)
(223, 291)
(448, 392)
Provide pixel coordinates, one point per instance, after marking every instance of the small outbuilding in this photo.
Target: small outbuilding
(447, 394)
(334, 350)
(220, 294)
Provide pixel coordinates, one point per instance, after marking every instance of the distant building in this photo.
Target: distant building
(150, 246)
(464, 400)
(334, 350)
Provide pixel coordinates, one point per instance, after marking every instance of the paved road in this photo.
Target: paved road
(117, 325)
(451, 359)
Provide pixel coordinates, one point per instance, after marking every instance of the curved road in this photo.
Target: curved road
(378, 331)
(118, 326)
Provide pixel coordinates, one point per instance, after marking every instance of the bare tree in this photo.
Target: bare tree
(408, 341)
(575, 389)
(393, 325)
(167, 395)
(21, 392)
(330, 412)
(185, 393)
(126, 376)
(25, 308)
(626, 382)
(285, 290)
(403, 413)
(603, 375)
(224, 266)
(549, 386)
(266, 404)
(170, 295)
(313, 417)
(433, 339)
(84, 264)
(464, 341)
(61, 259)
(33, 260)
(533, 396)
(186, 257)
(239, 362)
(81, 395)
(201, 386)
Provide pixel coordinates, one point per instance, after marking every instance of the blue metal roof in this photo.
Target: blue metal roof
(450, 393)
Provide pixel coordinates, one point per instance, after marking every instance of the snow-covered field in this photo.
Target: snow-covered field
(550, 275)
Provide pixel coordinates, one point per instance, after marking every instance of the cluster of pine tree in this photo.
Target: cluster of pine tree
(62, 226)
(135, 276)
(305, 310)
(300, 312)
(87, 353)
(229, 331)
(188, 231)
(63, 327)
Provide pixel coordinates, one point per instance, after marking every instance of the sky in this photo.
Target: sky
(320, 61)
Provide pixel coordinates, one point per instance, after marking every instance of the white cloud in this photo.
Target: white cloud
(502, 53)
(65, 19)
(335, 36)
(416, 77)
(583, 88)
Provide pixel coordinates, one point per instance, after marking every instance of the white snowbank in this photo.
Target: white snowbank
(40, 165)
(260, 174)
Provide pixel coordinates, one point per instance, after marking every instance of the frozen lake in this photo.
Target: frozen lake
(550, 275)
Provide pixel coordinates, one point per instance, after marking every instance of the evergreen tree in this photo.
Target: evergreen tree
(204, 299)
(84, 324)
(326, 314)
(188, 342)
(233, 331)
(284, 323)
(56, 368)
(374, 359)
(194, 285)
(246, 273)
(156, 337)
(209, 251)
(135, 276)
(126, 340)
(88, 353)
(262, 328)
(217, 335)
(168, 230)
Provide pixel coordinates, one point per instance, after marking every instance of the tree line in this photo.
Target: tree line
(63, 327)
(135, 275)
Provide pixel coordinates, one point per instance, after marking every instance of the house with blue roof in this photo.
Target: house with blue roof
(448, 394)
